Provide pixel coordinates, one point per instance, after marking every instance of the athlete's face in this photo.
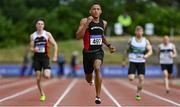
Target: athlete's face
(139, 32)
(40, 25)
(166, 40)
(95, 11)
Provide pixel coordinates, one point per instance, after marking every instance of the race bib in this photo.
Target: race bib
(136, 56)
(139, 56)
(165, 57)
(95, 39)
(41, 49)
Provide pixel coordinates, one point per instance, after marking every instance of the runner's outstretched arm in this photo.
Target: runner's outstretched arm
(84, 23)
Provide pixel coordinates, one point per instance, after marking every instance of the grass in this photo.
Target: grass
(14, 55)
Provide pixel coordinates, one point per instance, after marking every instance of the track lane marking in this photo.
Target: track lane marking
(15, 84)
(25, 91)
(171, 89)
(67, 90)
(125, 83)
(110, 96)
(4, 80)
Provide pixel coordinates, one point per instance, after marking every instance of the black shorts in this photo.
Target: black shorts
(139, 67)
(168, 67)
(89, 58)
(41, 62)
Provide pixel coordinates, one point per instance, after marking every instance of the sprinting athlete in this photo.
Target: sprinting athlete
(91, 29)
(139, 50)
(166, 52)
(39, 44)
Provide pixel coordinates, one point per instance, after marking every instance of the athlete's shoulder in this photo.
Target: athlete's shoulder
(32, 35)
(48, 33)
(144, 38)
(131, 39)
(147, 40)
(160, 45)
(104, 23)
(172, 44)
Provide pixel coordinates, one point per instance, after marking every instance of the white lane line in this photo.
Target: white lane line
(110, 96)
(14, 84)
(25, 91)
(148, 93)
(8, 79)
(160, 86)
(67, 90)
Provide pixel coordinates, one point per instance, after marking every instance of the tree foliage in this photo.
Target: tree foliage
(62, 16)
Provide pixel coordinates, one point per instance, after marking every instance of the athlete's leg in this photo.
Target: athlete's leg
(89, 78)
(47, 73)
(141, 73)
(131, 77)
(88, 68)
(170, 81)
(38, 78)
(131, 71)
(166, 80)
(169, 76)
(46, 68)
(98, 77)
(140, 83)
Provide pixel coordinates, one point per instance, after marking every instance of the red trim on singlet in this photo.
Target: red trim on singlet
(47, 48)
(86, 40)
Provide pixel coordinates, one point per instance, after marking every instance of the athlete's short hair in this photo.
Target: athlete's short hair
(139, 28)
(39, 19)
(166, 36)
(95, 3)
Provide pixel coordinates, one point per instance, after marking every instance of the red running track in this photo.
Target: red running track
(116, 92)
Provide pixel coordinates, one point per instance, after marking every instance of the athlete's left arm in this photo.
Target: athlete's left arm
(112, 49)
(174, 54)
(149, 49)
(158, 52)
(53, 42)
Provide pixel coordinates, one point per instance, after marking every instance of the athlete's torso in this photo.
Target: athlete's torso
(93, 36)
(137, 50)
(165, 51)
(41, 42)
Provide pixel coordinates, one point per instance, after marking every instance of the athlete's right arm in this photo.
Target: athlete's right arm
(127, 51)
(84, 23)
(32, 45)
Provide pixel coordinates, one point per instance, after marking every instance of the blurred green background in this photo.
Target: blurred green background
(62, 20)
